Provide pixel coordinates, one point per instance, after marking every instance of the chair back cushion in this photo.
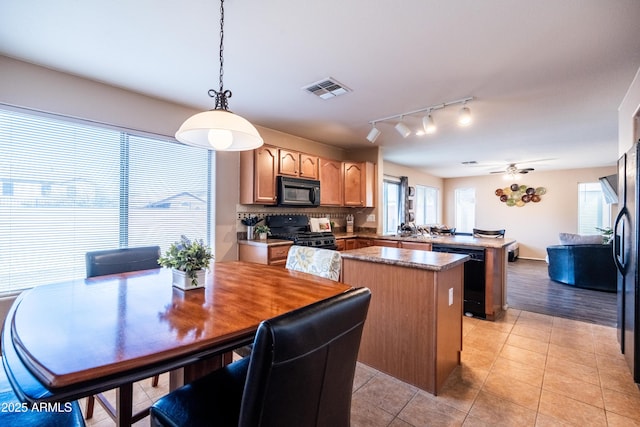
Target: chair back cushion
(321, 262)
(303, 364)
(112, 261)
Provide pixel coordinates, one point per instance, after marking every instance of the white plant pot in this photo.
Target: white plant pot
(263, 236)
(182, 280)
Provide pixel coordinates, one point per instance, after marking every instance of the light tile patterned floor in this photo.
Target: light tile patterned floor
(526, 369)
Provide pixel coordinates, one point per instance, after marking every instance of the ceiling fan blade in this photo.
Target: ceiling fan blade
(497, 172)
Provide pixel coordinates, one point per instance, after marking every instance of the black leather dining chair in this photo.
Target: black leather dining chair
(488, 233)
(300, 373)
(112, 261)
(14, 412)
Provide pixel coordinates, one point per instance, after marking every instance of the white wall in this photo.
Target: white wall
(535, 225)
(628, 121)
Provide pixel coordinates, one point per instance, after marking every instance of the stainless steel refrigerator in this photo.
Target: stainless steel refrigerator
(626, 249)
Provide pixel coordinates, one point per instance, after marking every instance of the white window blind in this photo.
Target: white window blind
(465, 210)
(426, 205)
(69, 188)
(593, 210)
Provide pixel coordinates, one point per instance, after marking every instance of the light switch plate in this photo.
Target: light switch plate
(450, 296)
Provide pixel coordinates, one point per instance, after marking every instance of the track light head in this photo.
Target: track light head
(464, 116)
(403, 130)
(428, 124)
(374, 133)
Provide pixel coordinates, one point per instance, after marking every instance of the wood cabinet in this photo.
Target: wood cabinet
(292, 163)
(358, 184)
(330, 182)
(416, 245)
(346, 244)
(350, 184)
(309, 166)
(387, 243)
(258, 170)
(262, 253)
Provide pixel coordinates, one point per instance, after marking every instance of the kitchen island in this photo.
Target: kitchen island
(414, 326)
(495, 253)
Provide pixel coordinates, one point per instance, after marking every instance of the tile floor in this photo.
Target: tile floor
(526, 369)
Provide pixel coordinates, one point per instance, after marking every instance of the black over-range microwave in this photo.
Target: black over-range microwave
(298, 192)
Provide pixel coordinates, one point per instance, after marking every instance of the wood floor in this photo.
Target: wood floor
(529, 288)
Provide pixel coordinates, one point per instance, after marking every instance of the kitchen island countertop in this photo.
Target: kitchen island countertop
(425, 260)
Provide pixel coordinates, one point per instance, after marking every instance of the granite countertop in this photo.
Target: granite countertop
(444, 240)
(425, 260)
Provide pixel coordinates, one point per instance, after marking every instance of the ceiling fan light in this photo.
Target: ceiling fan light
(428, 124)
(464, 116)
(403, 130)
(374, 133)
(219, 130)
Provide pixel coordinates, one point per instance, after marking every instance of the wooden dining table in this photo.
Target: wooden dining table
(65, 341)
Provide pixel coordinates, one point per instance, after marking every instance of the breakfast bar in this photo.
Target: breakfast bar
(414, 326)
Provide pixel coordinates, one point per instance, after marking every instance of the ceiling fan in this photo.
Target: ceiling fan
(512, 170)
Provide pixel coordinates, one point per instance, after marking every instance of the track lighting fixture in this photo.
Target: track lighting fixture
(374, 133)
(402, 129)
(464, 115)
(428, 123)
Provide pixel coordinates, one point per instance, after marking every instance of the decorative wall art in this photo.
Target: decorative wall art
(520, 195)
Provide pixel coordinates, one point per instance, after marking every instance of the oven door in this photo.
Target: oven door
(298, 192)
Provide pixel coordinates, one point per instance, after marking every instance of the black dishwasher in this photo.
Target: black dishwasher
(474, 277)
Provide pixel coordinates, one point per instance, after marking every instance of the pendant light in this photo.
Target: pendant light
(219, 129)
(464, 116)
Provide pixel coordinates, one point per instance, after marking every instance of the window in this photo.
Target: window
(426, 207)
(465, 210)
(593, 210)
(77, 187)
(391, 204)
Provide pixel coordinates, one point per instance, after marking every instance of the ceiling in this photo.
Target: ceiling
(547, 76)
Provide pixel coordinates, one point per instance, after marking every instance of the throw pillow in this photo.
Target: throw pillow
(579, 239)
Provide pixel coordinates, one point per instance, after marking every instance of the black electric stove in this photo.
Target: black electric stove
(296, 229)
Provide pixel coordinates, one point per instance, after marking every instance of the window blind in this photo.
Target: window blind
(69, 187)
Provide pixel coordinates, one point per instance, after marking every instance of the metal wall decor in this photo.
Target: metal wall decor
(520, 195)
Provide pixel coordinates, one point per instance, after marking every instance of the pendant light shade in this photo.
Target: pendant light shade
(219, 130)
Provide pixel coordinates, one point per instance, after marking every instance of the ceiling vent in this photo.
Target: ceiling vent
(327, 88)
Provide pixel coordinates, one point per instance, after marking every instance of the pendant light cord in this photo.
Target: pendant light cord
(221, 95)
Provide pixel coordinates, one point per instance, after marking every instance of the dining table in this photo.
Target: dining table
(64, 341)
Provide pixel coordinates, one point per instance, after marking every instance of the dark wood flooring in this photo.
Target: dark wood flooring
(529, 288)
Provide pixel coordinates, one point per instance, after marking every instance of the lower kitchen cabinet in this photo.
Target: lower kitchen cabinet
(264, 252)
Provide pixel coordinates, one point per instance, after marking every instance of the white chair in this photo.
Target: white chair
(320, 262)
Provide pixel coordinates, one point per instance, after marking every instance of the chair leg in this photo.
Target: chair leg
(91, 401)
(154, 380)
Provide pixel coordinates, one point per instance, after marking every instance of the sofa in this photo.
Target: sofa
(589, 266)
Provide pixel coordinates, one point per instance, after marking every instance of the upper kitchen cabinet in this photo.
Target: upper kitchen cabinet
(359, 183)
(258, 170)
(292, 163)
(330, 182)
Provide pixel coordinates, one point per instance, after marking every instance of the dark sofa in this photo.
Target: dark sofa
(589, 266)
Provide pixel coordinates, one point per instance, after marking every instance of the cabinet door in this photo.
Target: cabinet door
(416, 245)
(350, 244)
(388, 243)
(266, 161)
(353, 185)
(330, 182)
(340, 244)
(308, 167)
(288, 163)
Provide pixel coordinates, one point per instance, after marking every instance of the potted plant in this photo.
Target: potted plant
(262, 230)
(607, 234)
(188, 260)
